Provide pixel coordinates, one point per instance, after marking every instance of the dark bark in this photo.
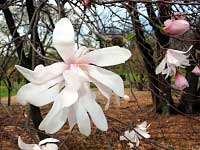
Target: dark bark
(165, 100)
(16, 37)
(24, 61)
(33, 20)
(147, 52)
(190, 101)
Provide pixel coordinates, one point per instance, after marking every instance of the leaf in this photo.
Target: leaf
(157, 26)
(130, 36)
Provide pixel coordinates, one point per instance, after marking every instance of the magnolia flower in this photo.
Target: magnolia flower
(180, 81)
(135, 135)
(176, 26)
(173, 58)
(196, 70)
(66, 83)
(86, 3)
(46, 144)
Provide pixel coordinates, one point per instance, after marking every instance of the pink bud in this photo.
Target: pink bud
(86, 3)
(176, 26)
(196, 70)
(180, 81)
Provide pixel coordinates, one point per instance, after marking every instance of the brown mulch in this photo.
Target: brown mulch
(179, 131)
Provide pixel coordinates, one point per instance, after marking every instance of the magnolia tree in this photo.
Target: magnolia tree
(63, 46)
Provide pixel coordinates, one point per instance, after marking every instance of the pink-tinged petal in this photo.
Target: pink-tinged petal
(76, 69)
(106, 56)
(68, 97)
(83, 119)
(176, 27)
(168, 22)
(81, 51)
(72, 80)
(94, 109)
(25, 146)
(161, 66)
(175, 58)
(37, 95)
(42, 74)
(107, 78)
(48, 140)
(181, 52)
(180, 81)
(63, 39)
(196, 70)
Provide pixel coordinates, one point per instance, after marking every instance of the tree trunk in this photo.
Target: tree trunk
(25, 62)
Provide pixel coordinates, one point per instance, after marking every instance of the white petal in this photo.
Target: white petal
(143, 133)
(107, 78)
(105, 91)
(77, 70)
(137, 141)
(142, 126)
(68, 97)
(37, 95)
(107, 56)
(121, 138)
(63, 39)
(57, 122)
(50, 146)
(51, 114)
(42, 73)
(83, 119)
(161, 66)
(131, 145)
(94, 110)
(81, 51)
(72, 80)
(71, 117)
(55, 119)
(25, 146)
(48, 140)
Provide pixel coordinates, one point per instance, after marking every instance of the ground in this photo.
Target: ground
(181, 132)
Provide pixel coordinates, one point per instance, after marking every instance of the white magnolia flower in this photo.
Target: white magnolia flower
(46, 144)
(135, 135)
(173, 58)
(66, 83)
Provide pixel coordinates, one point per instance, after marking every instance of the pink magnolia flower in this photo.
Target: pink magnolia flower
(86, 3)
(46, 144)
(196, 70)
(180, 81)
(135, 135)
(67, 83)
(176, 26)
(173, 58)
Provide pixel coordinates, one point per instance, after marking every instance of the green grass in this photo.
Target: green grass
(4, 90)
